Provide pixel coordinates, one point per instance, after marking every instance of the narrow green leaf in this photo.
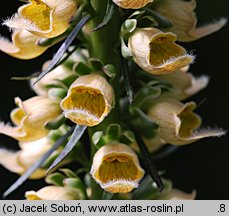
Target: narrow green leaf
(126, 75)
(76, 135)
(149, 164)
(108, 15)
(57, 58)
(36, 165)
(66, 55)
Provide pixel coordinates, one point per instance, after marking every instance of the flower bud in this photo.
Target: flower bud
(45, 18)
(89, 100)
(184, 84)
(30, 118)
(132, 4)
(178, 124)
(116, 168)
(53, 193)
(156, 52)
(24, 45)
(181, 14)
(19, 162)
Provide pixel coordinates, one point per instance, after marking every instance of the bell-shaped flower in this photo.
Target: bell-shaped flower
(132, 4)
(45, 18)
(89, 100)
(31, 118)
(156, 52)
(53, 193)
(19, 162)
(24, 45)
(184, 84)
(116, 168)
(182, 16)
(178, 124)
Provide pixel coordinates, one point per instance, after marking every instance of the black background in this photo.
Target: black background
(203, 166)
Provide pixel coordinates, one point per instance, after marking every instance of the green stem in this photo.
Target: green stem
(102, 47)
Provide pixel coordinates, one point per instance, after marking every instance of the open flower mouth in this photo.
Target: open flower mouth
(45, 18)
(163, 49)
(118, 174)
(85, 106)
(89, 100)
(37, 13)
(117, 168)
(120, 186)
(189, 121)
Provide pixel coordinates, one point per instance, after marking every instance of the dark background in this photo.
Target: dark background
(204, 165)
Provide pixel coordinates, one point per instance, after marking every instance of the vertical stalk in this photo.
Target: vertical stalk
(102, 47)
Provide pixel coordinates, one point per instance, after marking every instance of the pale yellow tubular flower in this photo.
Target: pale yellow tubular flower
(181, 14)
(30, 118)
(52, 78)
(45, 18)
(156, 52)
(53, 193)
(175, 194)
(19, 162)
(89, 100)
(184, 84)
(178, 124)
(116, 168)
(132, 4)
(24, 45)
